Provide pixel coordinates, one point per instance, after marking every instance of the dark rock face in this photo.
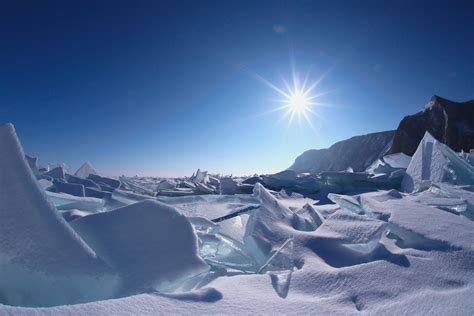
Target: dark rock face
(357, 153)
(452, 123)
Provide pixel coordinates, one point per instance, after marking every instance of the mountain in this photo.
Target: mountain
(357, 153)
(451, 123)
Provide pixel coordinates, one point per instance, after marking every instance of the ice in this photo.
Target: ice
(435, 162)
(433, 198)
(45, 184)
(67, 201)
(42, 261)
(228, 186)
(398, 160)
(200, 176)
(281, 257)
(150, 244)
(457, 199)
(96, 193)
(177, 192)
(291, 181)
(389, 163)
(128, 198)
(252, 180)
(373, 251)
(85, 170)
(307, 218)
(266, 225)
(85, 182)
(234, 227)
(210, 206)
(56, 173)
(345, 180)
(135, 187)
(112, 183)
(166, 184)
(73, 214)
(205, 189)
(220, 251)
(69, 188)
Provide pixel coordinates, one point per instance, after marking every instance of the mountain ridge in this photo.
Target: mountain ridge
(450, 122)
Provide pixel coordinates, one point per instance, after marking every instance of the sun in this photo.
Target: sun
(300, 99)
(298, 102)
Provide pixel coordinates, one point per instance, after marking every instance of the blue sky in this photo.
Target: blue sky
(164, 88)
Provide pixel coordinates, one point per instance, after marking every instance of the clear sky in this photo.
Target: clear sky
(164, 88)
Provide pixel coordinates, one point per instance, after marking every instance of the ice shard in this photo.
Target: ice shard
(307, 219)
(433, 161)
(85, 170)
(267, 226)
(56, 173)
(104, 180)
(69, 188)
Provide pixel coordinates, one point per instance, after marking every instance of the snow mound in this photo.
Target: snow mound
(149, 243)
(43, 262)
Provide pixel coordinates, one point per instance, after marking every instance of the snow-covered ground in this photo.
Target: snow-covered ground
(180, 246)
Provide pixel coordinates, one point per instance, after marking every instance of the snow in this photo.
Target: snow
(367, 250)
(149, 243)
(43, 262)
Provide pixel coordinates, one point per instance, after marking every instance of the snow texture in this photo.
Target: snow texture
(356, 249)
(43, 261)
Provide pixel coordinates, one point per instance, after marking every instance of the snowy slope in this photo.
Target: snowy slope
(149, 243)
(357, 153)
(425, 269)
(42, 260)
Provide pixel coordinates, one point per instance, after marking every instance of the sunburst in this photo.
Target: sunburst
(300, 99)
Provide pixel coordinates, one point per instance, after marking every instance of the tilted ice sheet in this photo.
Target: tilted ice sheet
(433, 161)
(85, 170)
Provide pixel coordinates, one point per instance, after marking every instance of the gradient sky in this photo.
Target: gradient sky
(164, 88)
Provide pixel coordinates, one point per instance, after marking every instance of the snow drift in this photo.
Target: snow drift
(150, 244)
(43, 262)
